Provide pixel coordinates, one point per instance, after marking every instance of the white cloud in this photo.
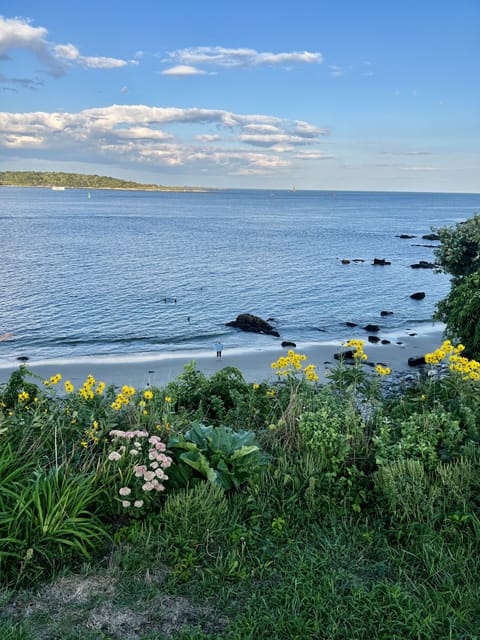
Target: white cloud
(70, 54)
(335, 70)
(184, 70)
(224, 57)
(18, 33)
(169, 136)
(312, 155)
(419, 169)
(208, 137)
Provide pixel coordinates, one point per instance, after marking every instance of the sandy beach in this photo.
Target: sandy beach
(159, 369)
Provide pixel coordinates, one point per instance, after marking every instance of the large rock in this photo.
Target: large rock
(419, 295)
(381, 262)
(431, 236)
(372, 328)
(254, 324)
(344, 355)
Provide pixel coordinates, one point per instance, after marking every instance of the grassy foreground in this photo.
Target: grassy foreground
(216, 509)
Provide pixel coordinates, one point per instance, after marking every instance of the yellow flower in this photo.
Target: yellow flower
(271, 393)
(383, 371)
(69, 388)
(84, 443)
(255, 386)
(100, 388)
(148, 395)
(128, 391)
(24, 395)
(56, 378)
(168, 399)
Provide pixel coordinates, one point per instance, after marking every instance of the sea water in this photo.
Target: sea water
(136, 273)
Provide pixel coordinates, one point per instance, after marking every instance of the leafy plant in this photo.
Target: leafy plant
(54, 517)
(217, 454)
(432, 436)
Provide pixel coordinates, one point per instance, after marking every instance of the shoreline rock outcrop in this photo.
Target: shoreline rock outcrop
(253, 324)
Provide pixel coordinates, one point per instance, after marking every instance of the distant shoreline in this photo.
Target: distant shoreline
(150, 189)
(62, 180)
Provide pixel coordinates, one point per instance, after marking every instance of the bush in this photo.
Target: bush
(459, 255)
(460, 311)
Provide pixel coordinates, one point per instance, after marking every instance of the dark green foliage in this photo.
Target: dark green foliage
(224, 397)
(460, 311)
(459, 252)
(459, 255)
(16, 385)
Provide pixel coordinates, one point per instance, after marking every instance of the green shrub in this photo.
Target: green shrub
(460, 311)
(432, 436)
(459, 255)
(333, 432)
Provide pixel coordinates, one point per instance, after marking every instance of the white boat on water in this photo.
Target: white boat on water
(58, 188)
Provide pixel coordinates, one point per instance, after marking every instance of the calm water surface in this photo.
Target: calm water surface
(139, 273)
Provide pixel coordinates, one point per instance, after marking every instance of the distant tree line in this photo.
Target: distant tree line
(77, 181)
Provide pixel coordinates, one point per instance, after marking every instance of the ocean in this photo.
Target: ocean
(134, 273)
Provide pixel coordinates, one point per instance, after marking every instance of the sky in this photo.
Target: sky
(376, 95)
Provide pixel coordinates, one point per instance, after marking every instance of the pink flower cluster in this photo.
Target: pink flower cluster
(152, 473)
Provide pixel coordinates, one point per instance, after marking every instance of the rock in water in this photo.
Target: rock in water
(254, 324)
(372, 328)
(416, 362)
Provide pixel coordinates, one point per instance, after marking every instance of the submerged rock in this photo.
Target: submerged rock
(419, 295)
(423, 264)
(380, 262)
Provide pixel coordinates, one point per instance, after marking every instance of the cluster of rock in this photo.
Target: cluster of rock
(254, 324)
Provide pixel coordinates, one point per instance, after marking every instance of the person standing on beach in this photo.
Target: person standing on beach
(218, 348)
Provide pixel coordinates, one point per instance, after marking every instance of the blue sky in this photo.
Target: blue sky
(347, 95)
